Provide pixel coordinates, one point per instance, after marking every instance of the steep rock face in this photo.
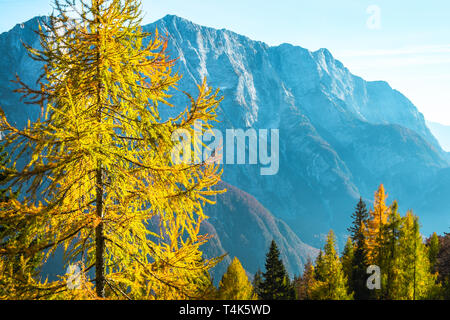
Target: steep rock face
(15, 61)
(260, 74)
(340, 136)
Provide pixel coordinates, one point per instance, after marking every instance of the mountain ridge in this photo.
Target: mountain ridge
(321, 53)
(335, 123)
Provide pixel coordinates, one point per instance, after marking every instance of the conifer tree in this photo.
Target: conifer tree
(348, 256)
(389, 261)
(235, 284)
(319, 272)
(359, 219)
(304, 283)
(416, 280)
(433, 251)
(4, 162)
(15, 267)
(443, 265)
(101, 165)
(257, 281)
(373, 232)
(276, 284)
(357, 280)
(332, 283)
(4, 190)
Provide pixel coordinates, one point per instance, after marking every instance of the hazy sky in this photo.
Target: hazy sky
(406, 43)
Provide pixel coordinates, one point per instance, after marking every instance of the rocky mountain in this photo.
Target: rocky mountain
(243, 228)
(340, 137)
(15, 61)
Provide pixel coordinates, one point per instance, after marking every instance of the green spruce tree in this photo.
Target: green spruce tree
(391, 257)
(359, 218)
(357, 281)
(276, 284)
(257, 281)
(347, 261)
(319, 273)
(433, 250)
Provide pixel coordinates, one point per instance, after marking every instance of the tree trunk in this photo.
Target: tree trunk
(99, 238)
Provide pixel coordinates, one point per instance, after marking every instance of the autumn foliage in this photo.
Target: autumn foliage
(99, 169)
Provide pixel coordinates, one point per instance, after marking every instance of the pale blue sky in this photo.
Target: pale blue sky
(409, 46)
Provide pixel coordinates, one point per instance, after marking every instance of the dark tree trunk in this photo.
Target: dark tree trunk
(99, 241)
(99, 237)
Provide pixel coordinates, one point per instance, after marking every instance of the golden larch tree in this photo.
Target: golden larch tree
(100, 169)
(330, 281)
(235, 284)
(416, 279)
(373, 231)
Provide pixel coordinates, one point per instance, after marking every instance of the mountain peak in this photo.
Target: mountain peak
(30, 24)
(324, 51)
(172, 18)
(176, 23)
